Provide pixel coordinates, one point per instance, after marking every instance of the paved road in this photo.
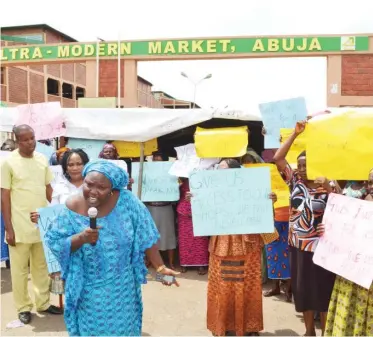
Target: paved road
(167, 311)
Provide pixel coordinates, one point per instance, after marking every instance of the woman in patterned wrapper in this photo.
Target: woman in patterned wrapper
(104, 268)
(311, 284)
(234, 291)
(351, 306)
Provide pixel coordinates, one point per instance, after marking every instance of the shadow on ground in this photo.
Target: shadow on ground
(47, 323)
(281, 332)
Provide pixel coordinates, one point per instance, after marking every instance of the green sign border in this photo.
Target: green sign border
(224, 47)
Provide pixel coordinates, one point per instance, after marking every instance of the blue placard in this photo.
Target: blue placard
(231, 201)
(281, 114)
(46, 150)
(157, 183)
(46, 217)
(91, 146)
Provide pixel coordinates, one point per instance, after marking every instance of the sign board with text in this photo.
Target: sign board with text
(346, 248)
(232, 201)
(281, 114)
(157, 183)
(46, 119)
(278, 185)
(162, 49)
(46, 217)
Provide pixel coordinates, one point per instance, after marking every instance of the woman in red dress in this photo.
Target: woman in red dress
(193, 250)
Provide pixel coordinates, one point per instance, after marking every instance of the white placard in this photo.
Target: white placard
(346, 248)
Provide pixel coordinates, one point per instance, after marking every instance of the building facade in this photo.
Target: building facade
(169, 102)
(64, 83)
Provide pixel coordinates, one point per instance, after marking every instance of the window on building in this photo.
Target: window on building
(67, 91)
(79, 92)
(53, 87)
(2, 81)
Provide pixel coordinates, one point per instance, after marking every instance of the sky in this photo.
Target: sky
(239, 84)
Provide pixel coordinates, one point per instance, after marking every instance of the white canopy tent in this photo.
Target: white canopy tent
(140, 124)
(135, 125)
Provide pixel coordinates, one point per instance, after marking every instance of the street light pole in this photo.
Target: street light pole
(98, 65)
(194, 95)
(195, 85)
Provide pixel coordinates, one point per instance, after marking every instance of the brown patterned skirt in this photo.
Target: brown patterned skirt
(234, 301)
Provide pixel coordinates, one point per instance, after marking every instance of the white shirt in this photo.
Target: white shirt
(63, 190)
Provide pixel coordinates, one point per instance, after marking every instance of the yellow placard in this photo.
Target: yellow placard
(298, 146)
(278, 185)
(221, 142)
(340, 147)
(132, 149)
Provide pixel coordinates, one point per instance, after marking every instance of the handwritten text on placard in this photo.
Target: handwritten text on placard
(281, 114)
(45, 118)
(278, 185)
(46, 217)
(157, 183)
(232, 201)
(346, 248)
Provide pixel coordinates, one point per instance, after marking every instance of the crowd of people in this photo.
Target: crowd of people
(103, 268)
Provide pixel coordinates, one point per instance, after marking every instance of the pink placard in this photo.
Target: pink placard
(45, 118)
(346, 248)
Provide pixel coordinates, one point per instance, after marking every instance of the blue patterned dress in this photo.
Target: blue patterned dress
(103, 282)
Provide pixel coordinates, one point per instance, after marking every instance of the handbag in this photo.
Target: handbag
(57, 286)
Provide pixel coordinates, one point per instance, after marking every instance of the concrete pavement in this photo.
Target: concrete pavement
(167, 311)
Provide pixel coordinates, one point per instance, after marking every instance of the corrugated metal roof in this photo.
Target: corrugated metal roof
(40, 26)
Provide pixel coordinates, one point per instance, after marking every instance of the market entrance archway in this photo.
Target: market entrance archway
(334, 47)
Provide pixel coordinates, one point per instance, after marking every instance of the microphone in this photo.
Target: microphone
(92, 213)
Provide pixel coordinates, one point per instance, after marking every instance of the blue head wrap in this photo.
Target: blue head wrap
(117, 176)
